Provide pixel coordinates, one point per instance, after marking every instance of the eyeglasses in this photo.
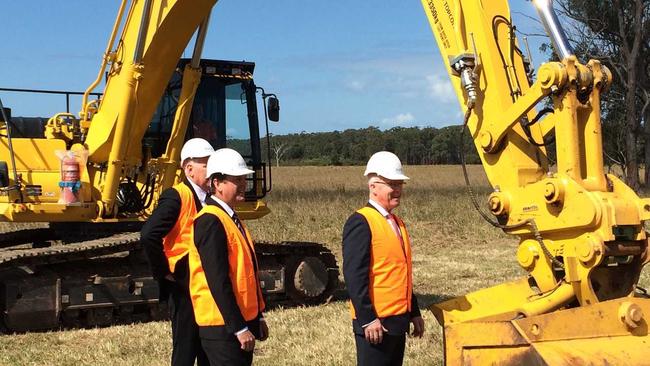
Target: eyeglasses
(393, 185)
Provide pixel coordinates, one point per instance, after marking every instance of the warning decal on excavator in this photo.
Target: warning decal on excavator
(448, 11)
(440, 29)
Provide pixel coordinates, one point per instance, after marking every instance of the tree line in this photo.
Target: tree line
(616, 33)
(414, 146)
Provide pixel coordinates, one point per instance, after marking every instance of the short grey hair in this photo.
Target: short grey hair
(373, 178)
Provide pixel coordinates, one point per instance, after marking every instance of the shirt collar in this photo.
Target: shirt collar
(200, 193)
(381, 210)
(224, 205)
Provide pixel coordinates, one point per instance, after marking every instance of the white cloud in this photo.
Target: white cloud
(440, 88)
(355, 85)
(401, 119)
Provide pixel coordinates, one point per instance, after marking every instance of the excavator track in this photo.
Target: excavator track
(59, 280)
(100, 277)
(69, 252)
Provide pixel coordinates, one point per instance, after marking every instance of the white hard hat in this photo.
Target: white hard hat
(387, 165)
(196, 148)
(227, 161)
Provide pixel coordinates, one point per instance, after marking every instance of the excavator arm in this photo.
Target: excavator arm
(147, 41)
(582, 240)
(154, 36)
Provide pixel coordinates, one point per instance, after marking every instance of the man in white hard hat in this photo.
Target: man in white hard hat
(166, 237)
(224, 282)
(377, 268)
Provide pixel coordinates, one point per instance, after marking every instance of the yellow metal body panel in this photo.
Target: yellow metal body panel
(47, 212)
(38, 165)
(33, 154)
(252, 210)
(593, 335)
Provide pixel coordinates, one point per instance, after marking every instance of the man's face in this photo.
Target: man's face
(195, 170)
(231, 189)
(386, 192)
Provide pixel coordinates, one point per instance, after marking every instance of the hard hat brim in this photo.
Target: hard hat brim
(396, 177)
(391, 177)
(192, 157)
(239, 172)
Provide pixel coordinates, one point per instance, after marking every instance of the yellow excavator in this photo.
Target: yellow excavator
(75, 189)
(582, 237)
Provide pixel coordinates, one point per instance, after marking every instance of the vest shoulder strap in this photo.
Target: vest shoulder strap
(369, 212)
(184, 192)
(213, 210)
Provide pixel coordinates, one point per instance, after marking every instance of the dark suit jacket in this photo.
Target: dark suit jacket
(211, 243)
(356, 268)
(159, 224)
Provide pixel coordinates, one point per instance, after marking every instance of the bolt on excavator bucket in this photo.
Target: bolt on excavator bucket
(613, 332)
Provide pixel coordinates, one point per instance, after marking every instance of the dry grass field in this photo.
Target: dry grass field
(454, 252)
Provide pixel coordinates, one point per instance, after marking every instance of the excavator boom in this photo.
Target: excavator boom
(582, 239)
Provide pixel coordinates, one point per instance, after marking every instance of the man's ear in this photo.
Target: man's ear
(214, 183)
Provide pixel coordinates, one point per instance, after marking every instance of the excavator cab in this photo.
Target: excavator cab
(224, 112)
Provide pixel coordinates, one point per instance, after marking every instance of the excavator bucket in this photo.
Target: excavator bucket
(613, 332)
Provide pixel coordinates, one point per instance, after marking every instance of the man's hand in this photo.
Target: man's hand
(169, 277)
(247, 341)
(418, 327)
(264, 330)
(374, 332)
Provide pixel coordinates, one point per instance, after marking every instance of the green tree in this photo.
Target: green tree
(616, 32)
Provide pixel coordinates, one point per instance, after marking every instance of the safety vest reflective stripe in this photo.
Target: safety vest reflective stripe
(391, 284)
(176, 242)
(241, 257)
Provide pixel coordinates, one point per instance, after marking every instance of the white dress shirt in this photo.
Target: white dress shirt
(200, 193)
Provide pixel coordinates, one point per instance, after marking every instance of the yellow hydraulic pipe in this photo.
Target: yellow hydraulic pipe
(556, 299)
(134, 73)
(191, 79)
(105, 59)
(116, 156)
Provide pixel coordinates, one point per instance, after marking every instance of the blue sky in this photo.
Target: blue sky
(334, 65)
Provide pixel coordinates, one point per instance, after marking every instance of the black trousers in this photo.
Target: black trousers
(390, 352)
(185, 332)
(226, 352)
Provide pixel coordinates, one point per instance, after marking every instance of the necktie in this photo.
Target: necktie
(239, 225)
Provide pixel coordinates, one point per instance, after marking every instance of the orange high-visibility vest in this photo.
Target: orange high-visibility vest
(391, 283)
(176, 242)
(245, 285)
